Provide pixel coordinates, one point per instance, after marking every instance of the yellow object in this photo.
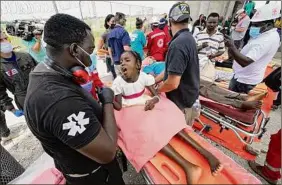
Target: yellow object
(278, 23)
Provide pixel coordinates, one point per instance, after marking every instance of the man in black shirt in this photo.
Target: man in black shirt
(181, 76)
(72, 127)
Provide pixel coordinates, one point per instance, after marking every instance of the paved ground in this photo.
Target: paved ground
(26, 148)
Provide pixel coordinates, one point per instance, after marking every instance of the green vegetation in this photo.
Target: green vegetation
(97, 26)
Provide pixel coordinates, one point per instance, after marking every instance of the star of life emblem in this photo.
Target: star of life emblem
(76, 124)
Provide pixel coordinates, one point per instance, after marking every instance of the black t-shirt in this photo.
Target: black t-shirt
(182, 59)
(63, 117)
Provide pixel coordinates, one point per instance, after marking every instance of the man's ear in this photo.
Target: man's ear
(74, 50)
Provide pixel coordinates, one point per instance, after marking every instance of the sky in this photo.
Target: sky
(159, 6)
(44, 9)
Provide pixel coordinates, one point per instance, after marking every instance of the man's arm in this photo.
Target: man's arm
(202, 46)
(170, 84)
(126, 41)
(159, 78)
(37, 46)
(96, 140)
(240, 59)
(126, 48)
(100, 43)
(240, 29)
(221, 50)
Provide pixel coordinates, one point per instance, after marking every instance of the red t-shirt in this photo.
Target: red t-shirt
(157, 44)
(167, 33)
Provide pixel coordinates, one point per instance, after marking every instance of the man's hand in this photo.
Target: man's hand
(228, 42)
(211, 56)
(106, 95)
(150, 104)
(205, 44)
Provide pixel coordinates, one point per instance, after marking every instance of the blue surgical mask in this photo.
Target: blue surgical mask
(86, 68)
(88, 86)
(93, 58)
(254, 32)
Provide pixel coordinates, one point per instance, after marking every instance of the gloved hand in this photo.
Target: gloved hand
(106, 95)
(18, 113)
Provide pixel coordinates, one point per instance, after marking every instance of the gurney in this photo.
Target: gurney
(159, 170)
(231, 127)
(162, 170)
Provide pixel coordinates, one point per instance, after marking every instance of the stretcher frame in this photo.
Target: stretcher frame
(146, 177)
(226, 122)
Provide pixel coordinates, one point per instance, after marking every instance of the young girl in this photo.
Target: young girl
(144, 133)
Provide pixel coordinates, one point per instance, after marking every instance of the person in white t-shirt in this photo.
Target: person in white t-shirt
(250, 64)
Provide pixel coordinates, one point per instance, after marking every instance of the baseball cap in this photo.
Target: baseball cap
(162, 21)
(179, 12)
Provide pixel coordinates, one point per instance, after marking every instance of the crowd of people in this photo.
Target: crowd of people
(172, 59)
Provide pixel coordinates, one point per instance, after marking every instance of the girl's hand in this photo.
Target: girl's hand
(150, 104)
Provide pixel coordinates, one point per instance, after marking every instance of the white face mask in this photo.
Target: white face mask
(6, 47)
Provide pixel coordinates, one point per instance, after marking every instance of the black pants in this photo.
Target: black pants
(109, 174)
(111, 67)
(4, 130)
(240, 87)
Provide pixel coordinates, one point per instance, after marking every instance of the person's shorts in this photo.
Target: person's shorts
(190, 115)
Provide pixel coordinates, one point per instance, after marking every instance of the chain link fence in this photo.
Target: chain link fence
(92, 12)
(13, 10)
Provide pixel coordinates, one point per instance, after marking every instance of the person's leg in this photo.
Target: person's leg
(212, 91)
(117, 70)
(272, 166)
(214, 163)
(193, 172)
(113, 71)
(4, 130)
(189, 116)
(108, 63)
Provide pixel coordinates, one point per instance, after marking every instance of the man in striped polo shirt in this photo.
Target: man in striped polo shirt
(210, 42)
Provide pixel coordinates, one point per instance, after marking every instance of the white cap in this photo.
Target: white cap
(267, 12)
(155, 21)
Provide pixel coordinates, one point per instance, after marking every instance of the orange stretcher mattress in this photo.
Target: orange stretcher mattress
(163, 170)
(228, 138)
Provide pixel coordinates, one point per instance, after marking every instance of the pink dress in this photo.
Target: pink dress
(144, 133)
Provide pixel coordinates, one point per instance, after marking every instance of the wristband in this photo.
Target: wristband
(157, 97)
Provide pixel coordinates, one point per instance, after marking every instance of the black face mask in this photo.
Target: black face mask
(169, 30)
(112, 26)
